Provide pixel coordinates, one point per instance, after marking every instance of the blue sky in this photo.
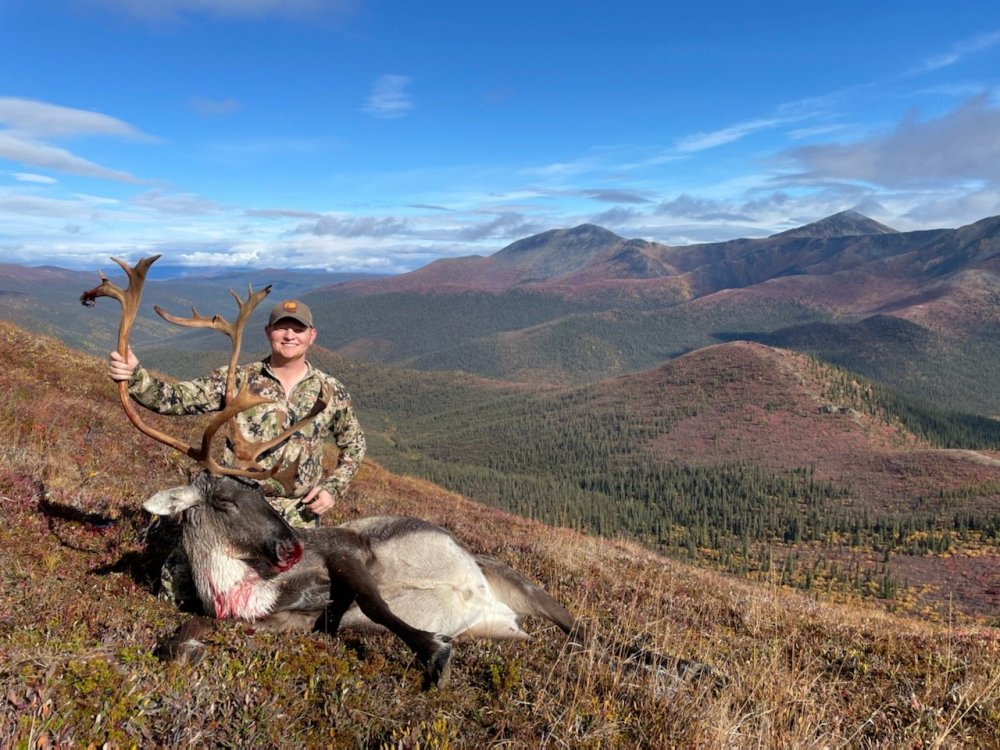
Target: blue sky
(367, 135)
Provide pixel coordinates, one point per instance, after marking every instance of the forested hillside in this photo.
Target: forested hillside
(739, 456)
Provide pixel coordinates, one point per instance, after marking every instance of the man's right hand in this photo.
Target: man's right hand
(121, 368)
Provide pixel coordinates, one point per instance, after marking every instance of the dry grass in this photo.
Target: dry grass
(79, 622)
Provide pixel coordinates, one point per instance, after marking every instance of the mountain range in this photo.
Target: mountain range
(589, 260)
(917, 310)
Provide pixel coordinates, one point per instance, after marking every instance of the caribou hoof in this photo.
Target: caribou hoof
(184, 647)
(438, 666)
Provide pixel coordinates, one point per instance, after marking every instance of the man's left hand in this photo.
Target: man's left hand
(318, 500)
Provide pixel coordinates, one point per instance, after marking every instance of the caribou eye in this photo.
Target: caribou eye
(222, 502)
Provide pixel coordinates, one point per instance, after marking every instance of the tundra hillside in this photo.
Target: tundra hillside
(739, 456)
(79, 623)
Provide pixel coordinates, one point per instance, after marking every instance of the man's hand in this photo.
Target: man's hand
(318, 500)
(121, 368)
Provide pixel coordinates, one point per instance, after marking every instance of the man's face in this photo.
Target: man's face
(289, 339)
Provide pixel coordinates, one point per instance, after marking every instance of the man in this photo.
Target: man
(293, 384)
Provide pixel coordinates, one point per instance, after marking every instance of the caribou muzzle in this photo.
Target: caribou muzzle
(287, 554)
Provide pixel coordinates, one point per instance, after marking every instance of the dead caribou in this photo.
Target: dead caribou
(383, 572)
(403, 574)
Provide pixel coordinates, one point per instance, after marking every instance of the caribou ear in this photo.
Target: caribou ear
(168, 502)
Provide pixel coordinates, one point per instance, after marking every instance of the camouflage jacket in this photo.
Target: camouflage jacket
(261, 423)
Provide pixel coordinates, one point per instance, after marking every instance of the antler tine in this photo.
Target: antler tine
(247, 452)
(233, 330)
(197, 320)
(129, 300)
(245, 309)
(128, 297)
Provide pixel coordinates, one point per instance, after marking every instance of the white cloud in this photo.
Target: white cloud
(616, 217)
(562, 169)
(38, 206)
(786, 113)
(961, 50)
(506, 226)
(389, 98)
(702, 209)
(42, 120)
(703, 141)
(813, 132)
(955, 209)
(185, 204)
(961, 145)
(39, 179)
(282, 213)
(612, 195)
(32, 153)
(354, 226)
(29, 125)
(301, 252)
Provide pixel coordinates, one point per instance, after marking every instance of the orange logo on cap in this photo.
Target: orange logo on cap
(289, 307)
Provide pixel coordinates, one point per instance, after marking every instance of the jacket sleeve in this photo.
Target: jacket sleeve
(347, 434)
(197, 396)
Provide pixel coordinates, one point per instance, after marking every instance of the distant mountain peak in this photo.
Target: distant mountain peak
(844, 224)
(592, 229)
(558, 251)
(579, 237)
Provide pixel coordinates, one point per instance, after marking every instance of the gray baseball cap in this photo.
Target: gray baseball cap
(291, 308)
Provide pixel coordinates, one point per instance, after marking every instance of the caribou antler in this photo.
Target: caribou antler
(247, 453)
(233, 330)
(129, 299)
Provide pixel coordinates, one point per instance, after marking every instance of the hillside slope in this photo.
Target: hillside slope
(728, 455)
(735, 402)
(78, 622)
(781, 409)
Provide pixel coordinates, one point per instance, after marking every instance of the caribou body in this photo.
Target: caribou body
(403, 574)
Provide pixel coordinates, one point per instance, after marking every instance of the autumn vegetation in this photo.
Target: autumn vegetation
(751, 460)
(79, 624)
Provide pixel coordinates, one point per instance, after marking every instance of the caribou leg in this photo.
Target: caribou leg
(351, 581)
